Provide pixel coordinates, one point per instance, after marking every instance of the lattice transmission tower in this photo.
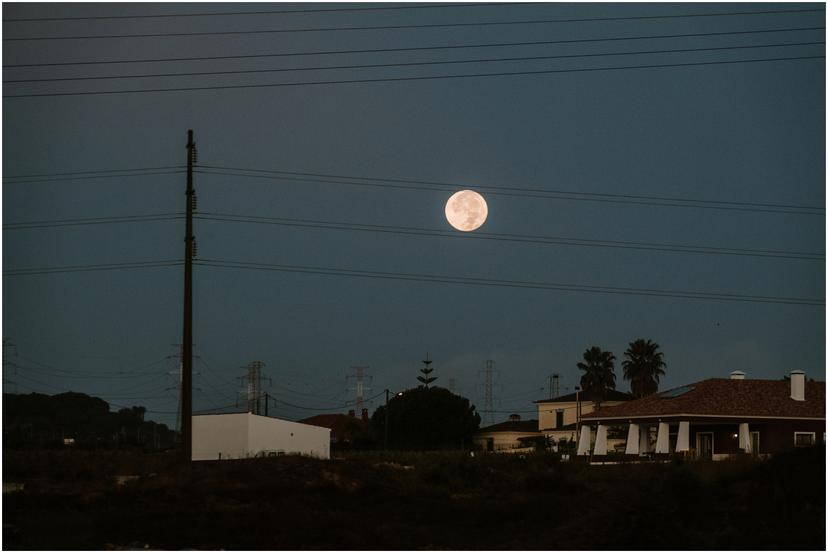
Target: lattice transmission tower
(488, 391)
(253, 388)
(360, 376)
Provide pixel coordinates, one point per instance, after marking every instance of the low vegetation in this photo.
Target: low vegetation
(409, 500)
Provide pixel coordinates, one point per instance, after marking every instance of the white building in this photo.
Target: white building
(241, 435)
(512, 436)
(558, 417)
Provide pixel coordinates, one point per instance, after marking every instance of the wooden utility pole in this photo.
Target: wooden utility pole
(187, 350)
(385, 441)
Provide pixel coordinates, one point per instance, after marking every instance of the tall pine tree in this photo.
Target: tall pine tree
(426, 379)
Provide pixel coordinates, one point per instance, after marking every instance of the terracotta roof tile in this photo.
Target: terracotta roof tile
(725, 397)
(612, 395)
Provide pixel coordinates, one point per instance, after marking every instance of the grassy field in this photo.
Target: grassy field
(435, 500)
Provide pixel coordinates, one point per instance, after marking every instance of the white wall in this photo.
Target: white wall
(220, 434)
(547, 409)
(240, 435)
(267, 434)
(503, 440)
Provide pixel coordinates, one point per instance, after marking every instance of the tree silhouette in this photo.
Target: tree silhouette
(599, 375)
(643, 367)
(426, 379)
(426, 418)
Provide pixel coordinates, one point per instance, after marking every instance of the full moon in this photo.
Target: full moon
(466, 210)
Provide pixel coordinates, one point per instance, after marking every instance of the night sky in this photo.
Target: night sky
(746, 133)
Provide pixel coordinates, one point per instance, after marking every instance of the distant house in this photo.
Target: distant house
(715, 418)
(345, 429)
(242, 435)
(509, 436)
(558, 417)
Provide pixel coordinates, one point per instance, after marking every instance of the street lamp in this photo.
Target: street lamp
(387, 394)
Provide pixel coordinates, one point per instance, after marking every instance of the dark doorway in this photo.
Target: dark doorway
(704, 445)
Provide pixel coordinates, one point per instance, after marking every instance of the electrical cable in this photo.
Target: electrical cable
(121, 373)
(392, 27)
(270, 12)
(448, 279)
(94, 172)
(408, 79)
(88, 268)
(550, 240)
(422, 48)
(410, 184)
(68, 375)
(89, 177)
(407, 64)
(93, 221)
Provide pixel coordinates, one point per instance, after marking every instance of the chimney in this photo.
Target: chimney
(737, 375)
(351, 413)
(798, 385)
(514, 417)
(365, 415)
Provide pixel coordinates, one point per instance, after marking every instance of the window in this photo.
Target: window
(804, 439)
(559, 418)
(676, 392)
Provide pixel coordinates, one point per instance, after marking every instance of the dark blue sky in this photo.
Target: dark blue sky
(752, 132)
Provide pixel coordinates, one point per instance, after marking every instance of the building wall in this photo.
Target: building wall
(502, 440)
(240, 435)
(780, 435)
(774, 436)
(291, 438)
(220, 436)
(547, 417)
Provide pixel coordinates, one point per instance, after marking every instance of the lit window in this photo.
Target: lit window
(804, 439)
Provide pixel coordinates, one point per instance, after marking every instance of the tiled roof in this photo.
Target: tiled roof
(512, 426)
(724, 397)
(612, 395)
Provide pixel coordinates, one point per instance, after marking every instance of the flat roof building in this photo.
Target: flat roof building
(243, 435)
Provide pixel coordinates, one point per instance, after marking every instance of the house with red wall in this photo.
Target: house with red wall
(714, 418)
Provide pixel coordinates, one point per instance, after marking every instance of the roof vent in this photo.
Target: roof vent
(514, 417)
(798, 385)
(737, 375)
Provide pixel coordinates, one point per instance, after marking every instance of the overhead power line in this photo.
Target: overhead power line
(271, 12)
(448, 279)
(409, 64)
(92, 221)
(423, 48)
(80, 373)
(532, 239)
(89, 268)
(90, 177)
(410, 184)
(400, 27)
(405, 79)
(92, 172)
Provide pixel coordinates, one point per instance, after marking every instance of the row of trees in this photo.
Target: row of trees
(40, 420)
(643, 368)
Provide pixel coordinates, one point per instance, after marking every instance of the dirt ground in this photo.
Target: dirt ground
(439, 500)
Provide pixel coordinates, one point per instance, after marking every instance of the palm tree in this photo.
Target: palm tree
(598, 374)
(643, 367)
